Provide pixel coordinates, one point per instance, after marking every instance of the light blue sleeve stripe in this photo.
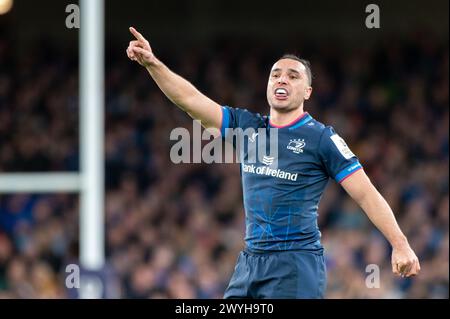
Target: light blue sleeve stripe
(225, 120)
(347, 171)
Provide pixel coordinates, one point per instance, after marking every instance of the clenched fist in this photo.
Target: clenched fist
(405, 262)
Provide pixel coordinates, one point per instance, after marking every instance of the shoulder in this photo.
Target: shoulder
(244, 117)
(320, 134)
(316, 129)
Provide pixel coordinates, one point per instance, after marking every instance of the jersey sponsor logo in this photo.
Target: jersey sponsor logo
(265, 170)
(342, 146)
(252, 138)
(267, 160)
(296, 146)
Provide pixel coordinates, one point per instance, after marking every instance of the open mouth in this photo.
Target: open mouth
(281, 94)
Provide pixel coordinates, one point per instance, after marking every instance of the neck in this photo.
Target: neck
(285, 118)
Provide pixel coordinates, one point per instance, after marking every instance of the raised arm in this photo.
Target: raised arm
(359, 187)
(180, 91)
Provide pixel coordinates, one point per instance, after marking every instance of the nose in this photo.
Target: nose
(282, 79)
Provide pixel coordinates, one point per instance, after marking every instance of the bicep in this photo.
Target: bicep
(358, 186)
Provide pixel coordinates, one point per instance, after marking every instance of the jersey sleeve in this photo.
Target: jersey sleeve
(336, 156)
(230, 119)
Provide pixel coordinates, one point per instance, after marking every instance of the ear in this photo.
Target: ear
(308, 92)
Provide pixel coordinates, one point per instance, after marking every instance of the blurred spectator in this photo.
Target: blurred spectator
(174, 231)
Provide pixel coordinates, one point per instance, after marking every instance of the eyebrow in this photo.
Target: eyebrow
(292, 70)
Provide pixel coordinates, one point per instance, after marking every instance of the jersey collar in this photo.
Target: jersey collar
(299, 121)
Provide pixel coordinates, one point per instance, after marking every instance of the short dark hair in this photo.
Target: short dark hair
(302, 61)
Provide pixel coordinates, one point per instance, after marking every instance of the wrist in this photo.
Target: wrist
(153, 65)
(400, 242)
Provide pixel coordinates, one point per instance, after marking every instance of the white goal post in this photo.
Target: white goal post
(89, 181)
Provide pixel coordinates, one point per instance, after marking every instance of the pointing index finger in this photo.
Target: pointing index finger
(136, 34)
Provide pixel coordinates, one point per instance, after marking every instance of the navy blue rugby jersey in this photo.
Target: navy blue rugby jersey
(281, 193)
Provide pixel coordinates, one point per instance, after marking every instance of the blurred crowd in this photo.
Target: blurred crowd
(175, 230)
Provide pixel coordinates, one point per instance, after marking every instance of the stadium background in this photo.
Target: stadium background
(174, 231)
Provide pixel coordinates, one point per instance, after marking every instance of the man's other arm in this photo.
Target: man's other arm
(360, 188)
